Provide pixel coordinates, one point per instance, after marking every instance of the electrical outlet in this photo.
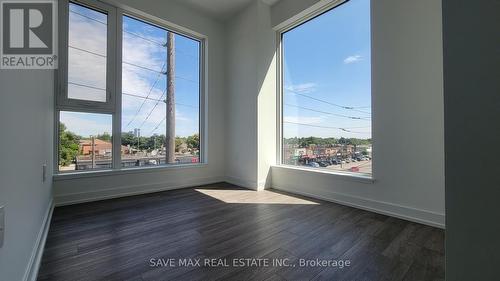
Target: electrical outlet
(44, 172)
(2, 224)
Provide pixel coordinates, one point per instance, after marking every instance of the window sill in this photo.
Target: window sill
(110, 172)
(364, 178)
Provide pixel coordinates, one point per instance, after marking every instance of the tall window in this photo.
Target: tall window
(158, 120)
(160, 96)
(326, 109)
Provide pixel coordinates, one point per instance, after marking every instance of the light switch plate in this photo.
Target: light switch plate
(2, 224)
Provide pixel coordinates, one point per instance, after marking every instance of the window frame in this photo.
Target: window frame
(113, 104)
(280, 31)
(63, 101)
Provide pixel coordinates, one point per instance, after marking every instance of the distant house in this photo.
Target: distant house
(101, 147)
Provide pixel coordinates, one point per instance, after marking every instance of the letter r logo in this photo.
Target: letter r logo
(27, 28)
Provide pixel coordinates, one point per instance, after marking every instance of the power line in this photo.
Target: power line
(86, 51)
(86, 86)
(133, 64)
(146, 39)
(158, 125)
(141, 97)
(131, 33)
(147, 96)
(161, 44)
(146, 68)
(330, 103)
(154, 107)
(87, 17)
(128, 94)
(125, 62)
(329, 113)
(327, 127)
(153, 99)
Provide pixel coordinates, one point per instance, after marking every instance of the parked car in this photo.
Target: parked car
(335, 161)
(313, 164)
(323, 164)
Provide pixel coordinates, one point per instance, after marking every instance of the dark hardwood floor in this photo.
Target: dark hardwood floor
(121, 239)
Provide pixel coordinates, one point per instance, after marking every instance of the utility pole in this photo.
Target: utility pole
(137, 134)
(93, 151)
(170, 139)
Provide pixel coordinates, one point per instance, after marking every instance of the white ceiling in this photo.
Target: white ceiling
(220, 9)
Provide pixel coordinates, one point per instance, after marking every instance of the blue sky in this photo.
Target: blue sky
(142, 46)
(328, 59)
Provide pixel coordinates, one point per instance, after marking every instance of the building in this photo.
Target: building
(100, 147)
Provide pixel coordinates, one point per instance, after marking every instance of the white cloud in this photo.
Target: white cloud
(352, 59)
(90, 69)
(86, 124)
(303, 88)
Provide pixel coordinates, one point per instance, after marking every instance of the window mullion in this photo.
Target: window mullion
(117, 96)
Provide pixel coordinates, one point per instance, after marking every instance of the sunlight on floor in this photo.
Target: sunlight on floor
(253, 197)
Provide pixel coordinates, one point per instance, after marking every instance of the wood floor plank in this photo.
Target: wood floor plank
(117, 239)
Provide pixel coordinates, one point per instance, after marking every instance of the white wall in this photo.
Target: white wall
(105, 186)
(266, 100)
(408, 137)
(241, 102)
(251, 97)
(26, 122)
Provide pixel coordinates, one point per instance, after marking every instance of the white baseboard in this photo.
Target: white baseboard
(250, 184)
(390, 209)
(31, 272)
(96, 195)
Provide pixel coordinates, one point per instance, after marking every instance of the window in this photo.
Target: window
(85, 141)
(148, 94)
(158, 119)
(87, 45)
(326, 91)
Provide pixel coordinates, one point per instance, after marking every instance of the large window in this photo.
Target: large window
(142, 101)
(326, 91)
(160, 105)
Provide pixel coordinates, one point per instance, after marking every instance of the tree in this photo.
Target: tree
(105, 137)
(178, 142)
(129, 139)
(154, 142)
(193, 142)
(69, 146)
(306, 142)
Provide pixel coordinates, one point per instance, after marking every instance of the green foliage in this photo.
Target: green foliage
(193, 142)
(68, 146)
(178, 142)
(157, 141)
(105, 137)
(153, 142)
(316, 141)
